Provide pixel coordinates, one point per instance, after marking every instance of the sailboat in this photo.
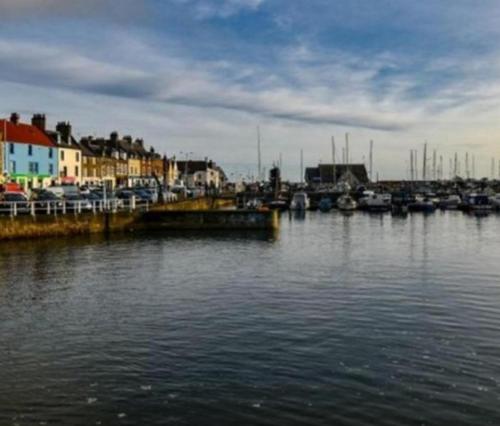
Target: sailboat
(346, 203)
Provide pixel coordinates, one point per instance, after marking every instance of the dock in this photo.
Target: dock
(206, 213)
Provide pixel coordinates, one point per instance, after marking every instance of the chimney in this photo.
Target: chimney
(14, 118)
(38, 120)
(113, 140)
(64, 128)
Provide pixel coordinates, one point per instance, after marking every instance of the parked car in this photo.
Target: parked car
(143, 196)
(9, 199)
(76, 202)
(125, 194)
(43, 199)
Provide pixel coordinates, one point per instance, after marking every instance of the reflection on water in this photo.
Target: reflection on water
(359, 319)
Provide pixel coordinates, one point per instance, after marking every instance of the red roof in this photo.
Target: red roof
(23, 133)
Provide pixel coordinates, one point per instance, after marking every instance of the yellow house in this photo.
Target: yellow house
(134, 170)
(70, 155)
(171, 172)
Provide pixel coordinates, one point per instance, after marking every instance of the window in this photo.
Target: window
(51, 153)
(76, 171)
(33, 167)
(51, 169)
(12, 166)
(11, 148)
(30, 150)
(65, 172)
(62, 155)
(77, 156)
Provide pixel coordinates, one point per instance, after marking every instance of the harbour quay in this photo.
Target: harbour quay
(204, 213)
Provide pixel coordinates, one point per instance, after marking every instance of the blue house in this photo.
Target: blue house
(30, 158)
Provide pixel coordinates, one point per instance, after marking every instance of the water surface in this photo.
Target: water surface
(349, 320)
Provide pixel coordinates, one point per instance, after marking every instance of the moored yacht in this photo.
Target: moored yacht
(495, 201)
(325, 204)
(477, 203)
(451, 202)
(375, 202)
(300, 201)
(346, 203)
(422, 204)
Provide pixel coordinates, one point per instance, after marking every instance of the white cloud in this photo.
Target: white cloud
(183, 82)
(106, 9)
(206, 9)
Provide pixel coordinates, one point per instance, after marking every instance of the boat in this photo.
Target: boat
(495, 201)
(425, 205)
(325, 204)
(451, 202)
(477, 203)
(278, 204)
(346, 203)
(400, 201)
(300, 201)
(254, 204)
(374, 202)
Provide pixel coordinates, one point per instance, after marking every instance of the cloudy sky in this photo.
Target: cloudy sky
(199, 76)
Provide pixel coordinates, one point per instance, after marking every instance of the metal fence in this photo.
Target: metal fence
(76, 207)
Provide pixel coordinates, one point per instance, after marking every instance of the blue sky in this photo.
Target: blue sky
(199, 75)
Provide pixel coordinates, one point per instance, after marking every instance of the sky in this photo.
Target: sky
(195, 78)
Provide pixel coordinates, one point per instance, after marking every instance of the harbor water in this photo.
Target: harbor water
(342, 319)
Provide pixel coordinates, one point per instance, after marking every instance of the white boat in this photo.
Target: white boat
(346, 203)
(375, 202)
(300, 201)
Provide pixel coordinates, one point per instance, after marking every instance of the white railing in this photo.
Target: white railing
(75, 207)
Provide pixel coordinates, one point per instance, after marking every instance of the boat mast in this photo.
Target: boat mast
(371, 160)
(416, 164)
(301, 166)
(334, 168)
(347, 149)
(467, 171)
(259, 156)
(412, 174)
(434, 164)
(424, 166)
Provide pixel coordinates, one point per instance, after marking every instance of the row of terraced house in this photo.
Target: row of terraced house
(36, 157)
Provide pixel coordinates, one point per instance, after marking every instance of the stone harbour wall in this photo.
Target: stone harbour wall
(195, 214)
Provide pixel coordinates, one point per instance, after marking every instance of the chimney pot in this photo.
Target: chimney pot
(64, 128)
(38, 120)
(14, 118)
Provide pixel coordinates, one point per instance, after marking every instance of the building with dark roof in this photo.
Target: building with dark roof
(69, 151)
(354, 174)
